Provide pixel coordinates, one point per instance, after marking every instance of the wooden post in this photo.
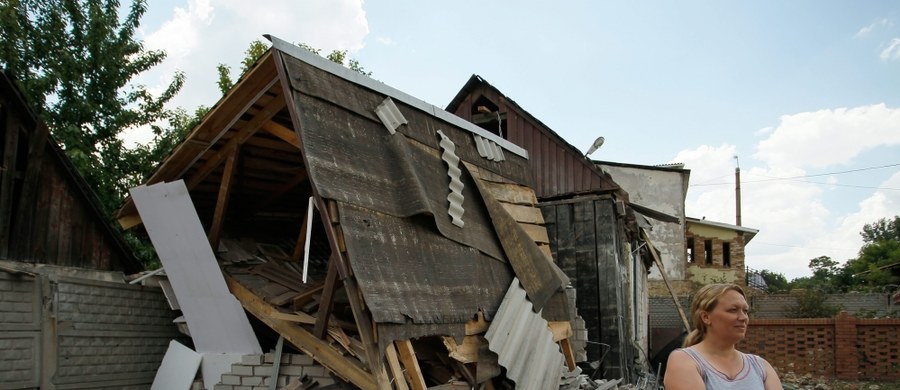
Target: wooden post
(215, 231)
(396, 371)
(408, 358)
(327, 301)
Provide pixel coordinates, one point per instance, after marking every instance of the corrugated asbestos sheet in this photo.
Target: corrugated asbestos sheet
(409, 272)
(356, 161)
(525, 346)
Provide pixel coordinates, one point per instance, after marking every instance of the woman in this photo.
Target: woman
(709, 359)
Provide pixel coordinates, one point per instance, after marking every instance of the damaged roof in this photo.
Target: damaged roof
(427, 226)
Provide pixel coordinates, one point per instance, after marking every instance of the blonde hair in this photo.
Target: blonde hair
(705, 300)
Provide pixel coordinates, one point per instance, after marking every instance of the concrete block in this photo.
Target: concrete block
(280, 382)
(315, 371)
(252, 360)
(292, 370)
(265, 370)
(270, 358)
(251, 380)
(301, 360)
(223, 387)
(242, 370)
(231, 379)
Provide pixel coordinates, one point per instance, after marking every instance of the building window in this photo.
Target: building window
(708, 251)
(726, 254)
(690, 250)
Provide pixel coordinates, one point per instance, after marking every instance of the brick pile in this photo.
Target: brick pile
(254, 372)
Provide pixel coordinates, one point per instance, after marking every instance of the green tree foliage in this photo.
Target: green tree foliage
(258, 48)
(775, 282)
(813, 304)
(75, 61)
(878, 263)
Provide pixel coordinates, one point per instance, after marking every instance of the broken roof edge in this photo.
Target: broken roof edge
(382, 88)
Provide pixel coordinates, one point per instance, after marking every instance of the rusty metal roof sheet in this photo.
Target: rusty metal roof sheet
(523, 343)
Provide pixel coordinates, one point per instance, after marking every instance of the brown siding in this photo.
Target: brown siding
(558, 167)
(57, 223)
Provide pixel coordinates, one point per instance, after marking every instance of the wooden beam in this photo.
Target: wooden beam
(215, 230)
(560, 330)
(8, 180)
(250, 128)
(662, 271)
(477, 325)
(300, 246)
(408, 358)
(467, 352)
(566, 348)
(399, 381)
(283, 133)
(300, 338)
(327, 301)
(282, 190)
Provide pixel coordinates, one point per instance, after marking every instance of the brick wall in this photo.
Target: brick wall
(254, 372)
(843, 347)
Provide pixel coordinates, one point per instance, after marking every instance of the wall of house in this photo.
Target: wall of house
(584, 235)
(663, 191)
(843, 347)
(701, 273)
(64, 332)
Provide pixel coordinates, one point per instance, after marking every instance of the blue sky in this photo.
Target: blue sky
(793, 88)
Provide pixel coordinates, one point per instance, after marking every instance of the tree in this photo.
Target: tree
(75, 61)
(878, 263)
(775, 282)
(258, 48)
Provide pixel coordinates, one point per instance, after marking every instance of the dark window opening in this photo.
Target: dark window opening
(726, 254)
(708, 251)
(487, 115)
(690, 250)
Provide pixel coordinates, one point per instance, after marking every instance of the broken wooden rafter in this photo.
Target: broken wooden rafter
(408, 358)
(215, 230)
(327, 302)
(316, 348)
(399, 381)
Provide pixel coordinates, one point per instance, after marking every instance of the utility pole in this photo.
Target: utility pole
(737, 191)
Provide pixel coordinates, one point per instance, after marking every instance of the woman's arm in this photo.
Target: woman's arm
(772, 380)
(682, 373)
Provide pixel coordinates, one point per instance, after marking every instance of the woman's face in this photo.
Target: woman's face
(728, 320)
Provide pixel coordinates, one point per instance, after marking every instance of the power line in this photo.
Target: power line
(795, 178)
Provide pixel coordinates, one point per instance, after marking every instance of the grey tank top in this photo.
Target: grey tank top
(751, 377)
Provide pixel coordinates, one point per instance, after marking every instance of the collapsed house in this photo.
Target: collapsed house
(394, 243)
(595, 231)
(68, 320)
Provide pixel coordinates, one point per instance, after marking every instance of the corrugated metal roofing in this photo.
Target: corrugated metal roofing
(525, 346)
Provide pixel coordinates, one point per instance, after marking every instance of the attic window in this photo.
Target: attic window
(726, 254)
(487, 115)
(708, 251)
(690, 250)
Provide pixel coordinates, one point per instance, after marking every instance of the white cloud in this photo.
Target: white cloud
(878, 24)
(829, 137)
(387, 41)
(795, 223)
(892, 51)
(205, 33)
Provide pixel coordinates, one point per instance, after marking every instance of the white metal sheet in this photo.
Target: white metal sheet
(178, 368)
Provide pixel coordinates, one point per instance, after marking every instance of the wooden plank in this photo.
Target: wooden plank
(538, 233)
(283, 133)
(467, 352)
(37, 145)
(408, 358)
(215, 230)
(512, 193)
(298, 317)
(327, 302)
(300, 338)
(300, 246)
(265, 114)
(526, 214)
(7, 180)
(560, 329)
(399, 381)
(477, 325)
(566, 348)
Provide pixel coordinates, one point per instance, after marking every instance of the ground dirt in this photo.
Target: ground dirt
(792, 381)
